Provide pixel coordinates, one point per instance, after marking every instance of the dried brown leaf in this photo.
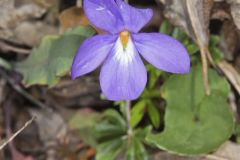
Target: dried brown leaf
(193, 17)
(228, 40)
(235, 11)
(228, 151)
(74, 17)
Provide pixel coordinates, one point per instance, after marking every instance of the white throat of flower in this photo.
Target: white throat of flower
(124, 49)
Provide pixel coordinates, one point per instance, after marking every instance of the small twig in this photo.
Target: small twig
(17, 133)
(203, 52)
(17, 88)
(210, 59)
(7, 47)
(128, 116)
(200, 36)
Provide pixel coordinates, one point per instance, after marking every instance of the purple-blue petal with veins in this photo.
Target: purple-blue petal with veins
(91, 54)
(134, 19)
(123, 75)
(163, 52)
(104, 14)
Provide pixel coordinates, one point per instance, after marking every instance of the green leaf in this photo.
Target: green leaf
(192, 48)
(132, 148)
(165, 27)
(32, 68)
(114, 140)
(103, 131)
(214, 49)
(141, 133)
(153, 114)
(136, 150)
(178, 34)
(114, 117)
(237, 133)
(81, 31)
(109, 132)
(137, 113)
(151, 93)
(214, 40)
(135, 147)
(109, 150)
(154, 75)
(52, 59)
(194, 123)
(216, 53)
(112, 126)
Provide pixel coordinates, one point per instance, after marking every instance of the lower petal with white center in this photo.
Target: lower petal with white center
(123, 75)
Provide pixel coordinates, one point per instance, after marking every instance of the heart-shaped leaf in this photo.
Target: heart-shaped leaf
(194, 123)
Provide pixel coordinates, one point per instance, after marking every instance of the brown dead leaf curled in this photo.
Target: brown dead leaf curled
(193, 17)
(74, 17)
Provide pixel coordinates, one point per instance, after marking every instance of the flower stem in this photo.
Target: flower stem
(128, 117)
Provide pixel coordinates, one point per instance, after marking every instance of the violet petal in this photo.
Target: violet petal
(163, 52)
(104, 14)
(123, 75)
(91, 54)
(134, 18)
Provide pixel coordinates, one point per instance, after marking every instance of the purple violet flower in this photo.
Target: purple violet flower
(123, 75)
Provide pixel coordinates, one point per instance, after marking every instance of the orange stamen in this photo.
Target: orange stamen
(124, 36)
